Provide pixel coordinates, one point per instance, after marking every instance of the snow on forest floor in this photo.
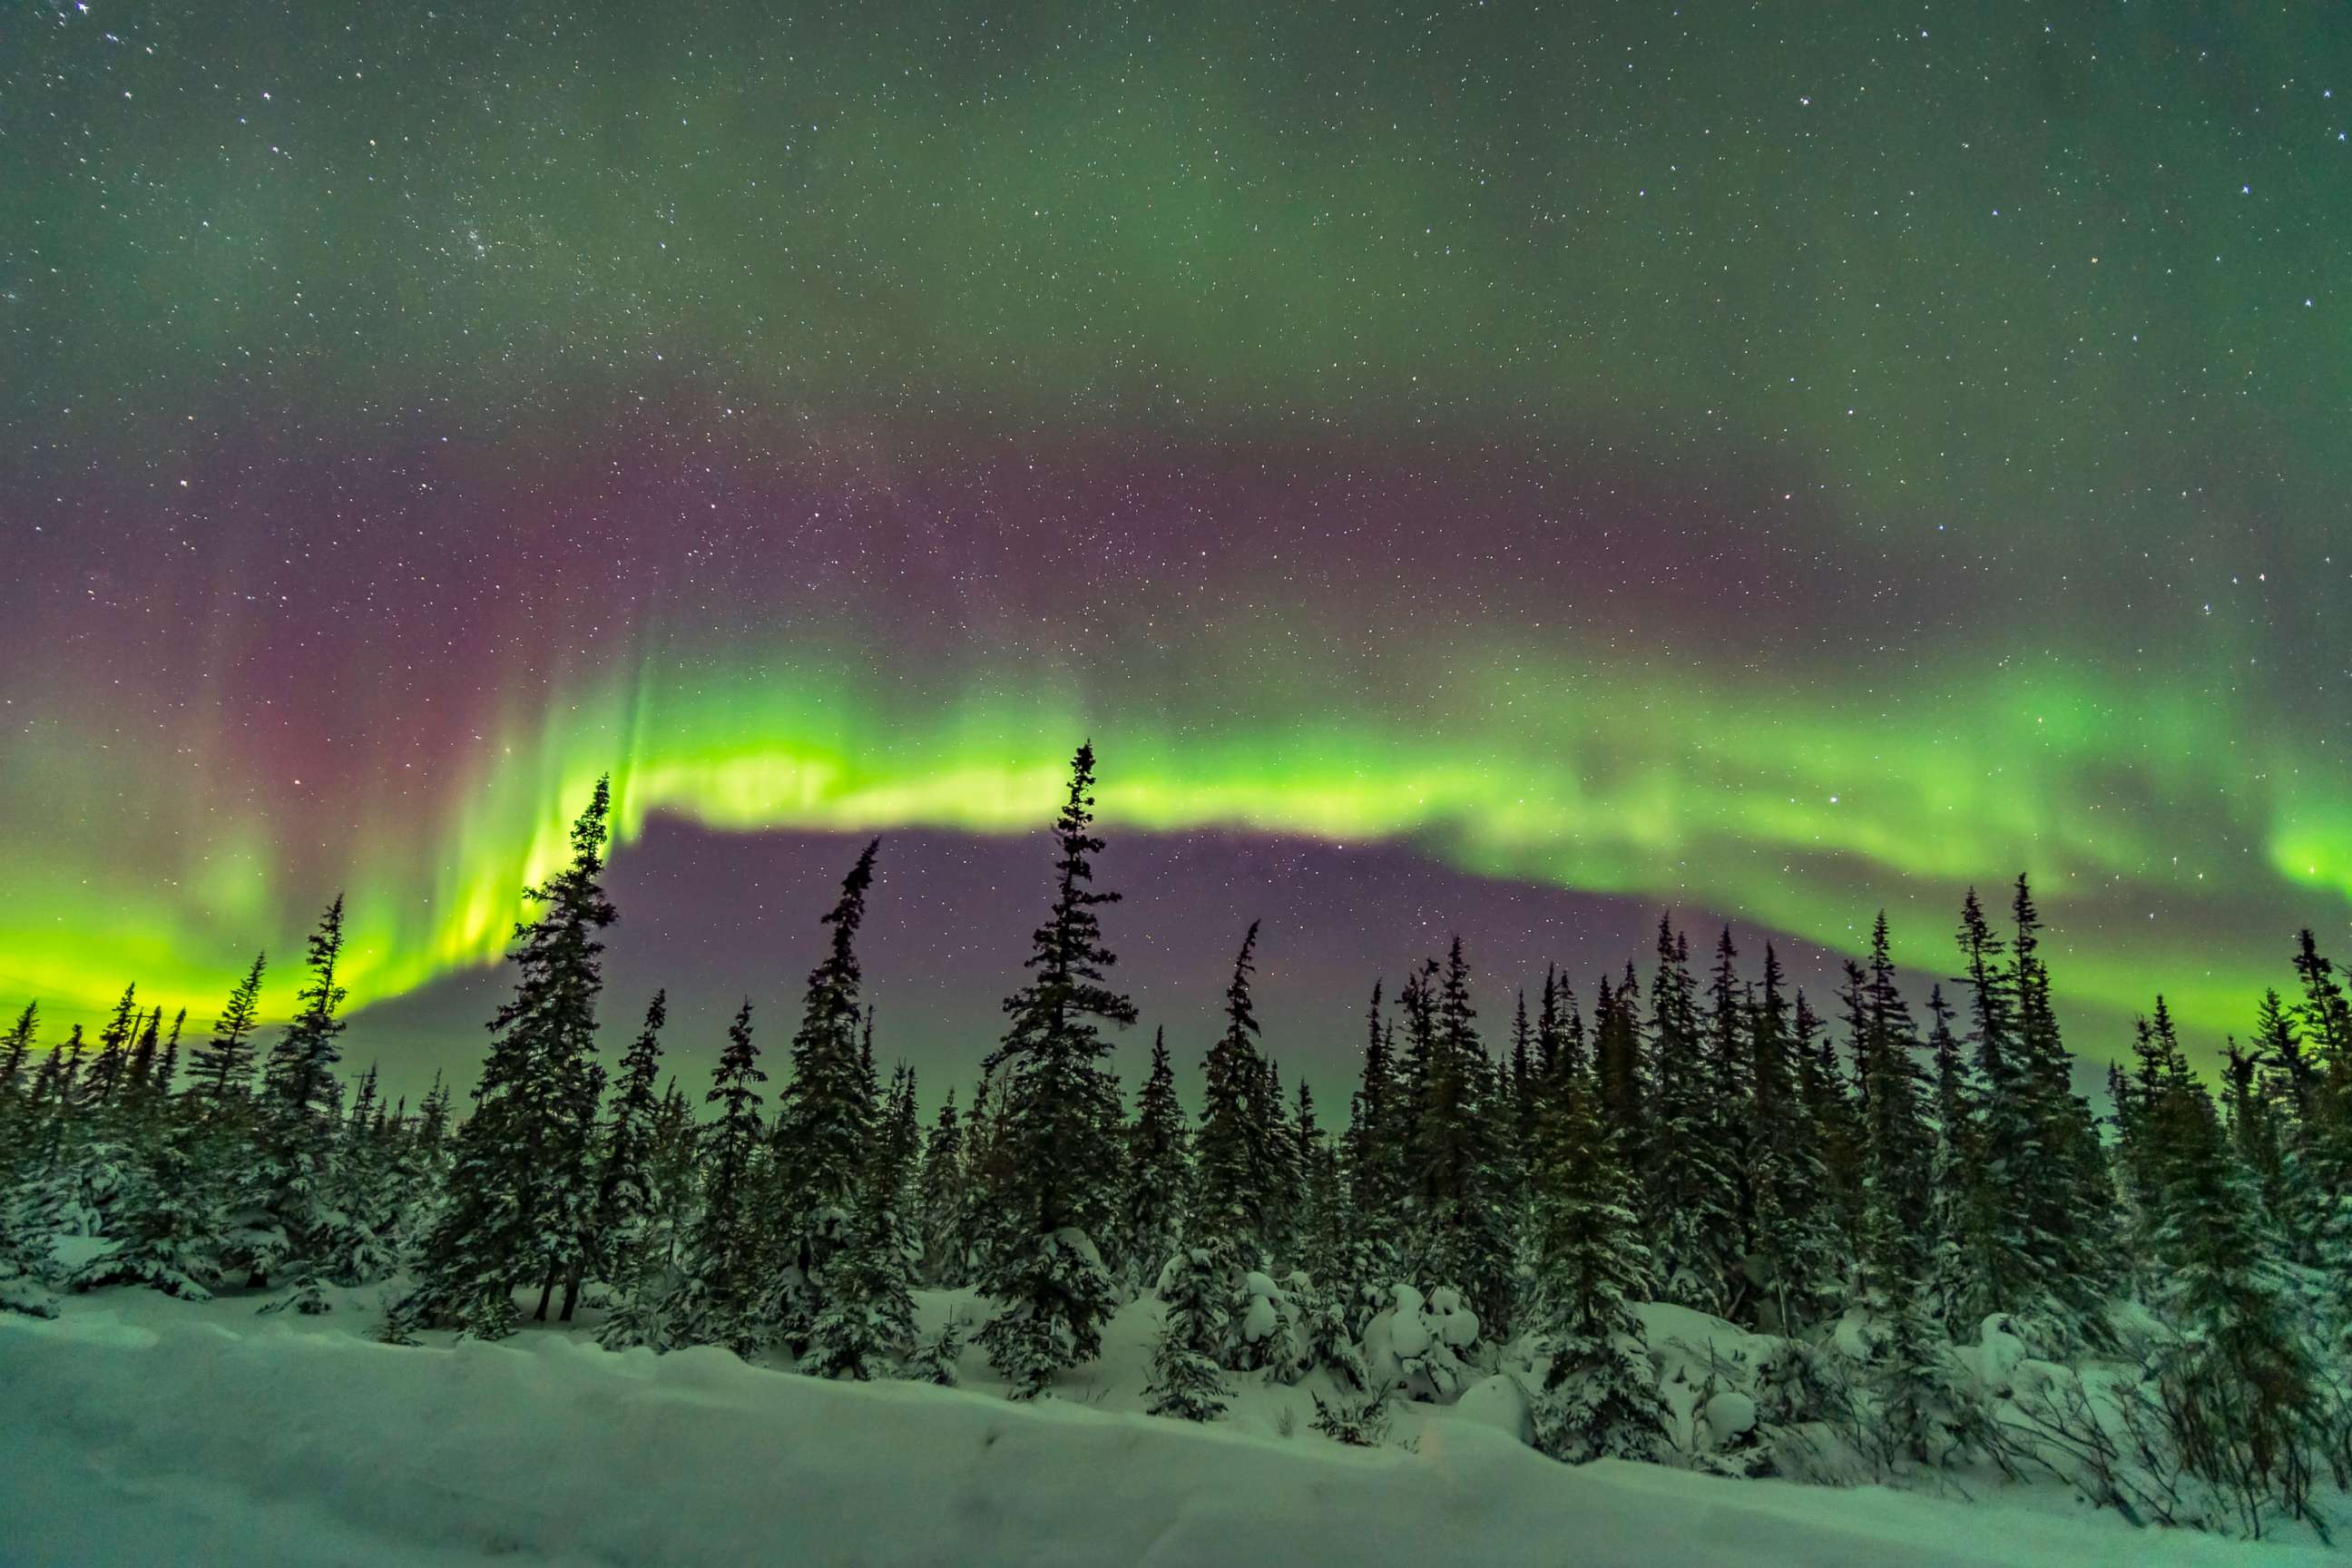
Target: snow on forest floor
(140, 1430)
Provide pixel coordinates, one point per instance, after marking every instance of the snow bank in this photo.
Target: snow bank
(188, 1440)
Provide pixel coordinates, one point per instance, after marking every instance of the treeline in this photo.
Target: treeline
(1870, 1190)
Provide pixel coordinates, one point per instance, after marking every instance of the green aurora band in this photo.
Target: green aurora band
(1792, 822)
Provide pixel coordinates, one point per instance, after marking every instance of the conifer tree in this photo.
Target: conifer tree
(1372, 1166)
(2323, 1142)
(1309, 1151)
(1795, 1229)
(2067, 1190)
(713, 1302)
(520, 1192)
(868, 1319)
(986, 1217)
(140, 1106)
(105, 1118)
(653, 1273)
(1922, 1414)
(2278, 1045)
(115, 1039)
(1832, 1121)
(1234, 1198)
(943, 1198)
(168, 1231)
(1158, 1174)
(1060, 1111)
(1417, 1005)
(2289, 1089)
(625, 1193)
(1623, 1106)
(1600, 1395)
(825, 1116)
(2253, 1125)
(1694, 1201)
(54, 1124)
(278, 1205)
(167, 1066)
(1186, 1381)
(29, 1192)
(16, 1049)
(2241, 1382)
(360, 1242)
(1285, 1183)
(1454, 1168)
(1954, 1296)
(1554, 1055)
(2326, 1013)
(1998, 1244)
(1523, 1102)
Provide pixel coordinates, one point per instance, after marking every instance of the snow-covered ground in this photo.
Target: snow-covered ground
(142, 1430)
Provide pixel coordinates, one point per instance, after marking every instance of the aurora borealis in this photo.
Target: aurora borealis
(1765, 464)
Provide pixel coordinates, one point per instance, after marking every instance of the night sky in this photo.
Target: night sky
(1478, 468)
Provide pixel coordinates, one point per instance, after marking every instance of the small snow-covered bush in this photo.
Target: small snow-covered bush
(1416, 1345)
(933, 1360)
(1361, 1423)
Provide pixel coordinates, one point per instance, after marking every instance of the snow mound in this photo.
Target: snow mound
(284, 1444)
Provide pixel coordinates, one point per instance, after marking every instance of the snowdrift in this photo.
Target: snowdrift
(157, 1441)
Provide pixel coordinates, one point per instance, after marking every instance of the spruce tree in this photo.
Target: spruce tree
(2239, 1382)
(1796, 1245)
(1159, 1175)
(1600, 1395)
(2322, 1148)
(1373, 1164)
(1524, 1103)
(168, 1233)
(1059, 1117)
(2001, 1248)
(522, 1193)
(1693, 1192)
(867, 1322)
(2067, 1190)
(105, 1114)
(16, 1049)
(115, 1039)
(654, 1271)
(1455, 1169)
(54, 1130)
(620, 1252)
(28, 1188)
(1233, 1204)
(1285, 1183)
(1922, 1416)
(987, 1219)
(1833, 1123)
(1954, 1295)
(360, 1243)
(1186, 1381)
(1624, 1106)
(2254, 1122)
(37, 1194)
(825, 1116)
(713, 1301)
(280, 1205)
(942, 1200)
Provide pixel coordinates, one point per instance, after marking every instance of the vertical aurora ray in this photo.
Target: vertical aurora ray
(1650, 786)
